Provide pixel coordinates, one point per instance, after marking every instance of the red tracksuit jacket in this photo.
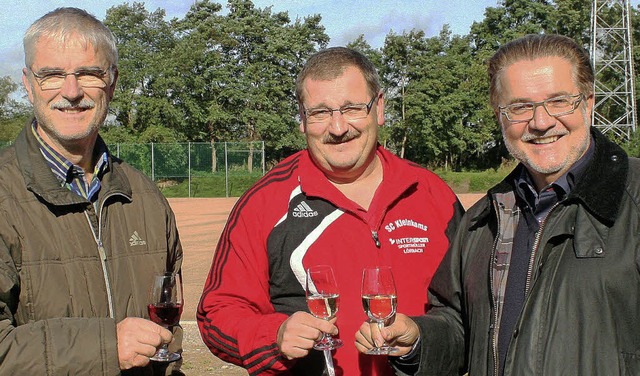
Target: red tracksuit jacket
(294, 218)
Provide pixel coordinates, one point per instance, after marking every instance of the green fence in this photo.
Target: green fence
(196, 169)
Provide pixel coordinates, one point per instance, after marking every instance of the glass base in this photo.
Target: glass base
(328, 343)
(165, 356)
(382, 350)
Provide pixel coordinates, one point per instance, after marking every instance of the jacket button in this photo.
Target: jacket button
(599, 251)
(614, 158)
(515, 333)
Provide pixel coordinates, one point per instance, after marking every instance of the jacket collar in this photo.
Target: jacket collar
(397, 179)
(601, 188)
(40, 180)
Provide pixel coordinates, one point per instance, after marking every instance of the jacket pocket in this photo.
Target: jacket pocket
(630, 363)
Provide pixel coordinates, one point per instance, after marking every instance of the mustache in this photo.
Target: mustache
(84, 104)
(333, 139)
(528, 136)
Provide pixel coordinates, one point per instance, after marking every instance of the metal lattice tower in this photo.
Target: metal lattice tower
(615, 106)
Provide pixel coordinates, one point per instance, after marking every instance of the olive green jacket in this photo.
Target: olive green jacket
(71, 270)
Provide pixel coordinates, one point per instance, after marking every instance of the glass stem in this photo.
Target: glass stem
(380, 324)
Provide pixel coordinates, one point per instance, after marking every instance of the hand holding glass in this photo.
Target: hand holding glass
(323, 299)
(165, 308)
(379, 300)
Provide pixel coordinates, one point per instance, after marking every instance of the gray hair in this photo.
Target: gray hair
(64, 23)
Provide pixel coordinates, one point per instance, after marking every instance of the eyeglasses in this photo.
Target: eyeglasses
(557, 106)
(350, 112)
(87, 78)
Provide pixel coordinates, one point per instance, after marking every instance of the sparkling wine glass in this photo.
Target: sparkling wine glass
(379, 300)
(323, 300)
(165, 308)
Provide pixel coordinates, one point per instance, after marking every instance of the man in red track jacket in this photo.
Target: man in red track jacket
(344, 201)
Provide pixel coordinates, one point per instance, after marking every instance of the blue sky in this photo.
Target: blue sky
(343, 20)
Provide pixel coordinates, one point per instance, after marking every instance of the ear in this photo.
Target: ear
(27, 85)
(380, 109)
(112, 87)
(301, 116)
(590, 103)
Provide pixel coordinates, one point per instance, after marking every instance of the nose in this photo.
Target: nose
(71, 88)
(338, 125)
(541, 119)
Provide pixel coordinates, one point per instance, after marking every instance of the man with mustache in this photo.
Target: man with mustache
(82, 233)
(543, 277)
(346, 202)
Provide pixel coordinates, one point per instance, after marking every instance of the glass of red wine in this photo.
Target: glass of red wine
(165, 308)
(323, 300)
(379, 300)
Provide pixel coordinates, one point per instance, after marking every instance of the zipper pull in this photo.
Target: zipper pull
(102, 251)
(374, 234)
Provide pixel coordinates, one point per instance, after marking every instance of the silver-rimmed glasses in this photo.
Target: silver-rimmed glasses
(87, 78)
(353, 111)
(556, 106)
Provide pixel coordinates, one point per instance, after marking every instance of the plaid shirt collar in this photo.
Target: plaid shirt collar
(72, 176)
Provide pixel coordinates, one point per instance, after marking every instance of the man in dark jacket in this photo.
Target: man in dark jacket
(82, 234)
(543, 275)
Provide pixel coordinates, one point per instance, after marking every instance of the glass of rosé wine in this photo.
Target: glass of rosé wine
(323, 300)
(379, 300)
(165, 308)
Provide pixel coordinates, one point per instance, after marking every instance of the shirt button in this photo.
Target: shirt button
(515, 333)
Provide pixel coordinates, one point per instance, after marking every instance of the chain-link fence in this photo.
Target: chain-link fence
(196, 169)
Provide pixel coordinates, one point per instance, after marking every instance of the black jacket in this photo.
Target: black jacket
(581, 315)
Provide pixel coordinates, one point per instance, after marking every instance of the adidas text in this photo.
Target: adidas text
(303, 210)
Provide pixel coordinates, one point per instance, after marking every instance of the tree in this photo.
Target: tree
(257, 55)
(145, 41)
(13, 114)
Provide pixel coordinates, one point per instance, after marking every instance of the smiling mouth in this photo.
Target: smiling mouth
(75, 110)
(545, 140)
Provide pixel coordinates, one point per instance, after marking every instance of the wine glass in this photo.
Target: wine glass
(165, 308)
(323, 299)
(379, 300)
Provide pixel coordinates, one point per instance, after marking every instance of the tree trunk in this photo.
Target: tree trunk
(214, 157)
(250, 158)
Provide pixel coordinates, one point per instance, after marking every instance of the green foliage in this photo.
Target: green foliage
(10, 128)
(228, 74)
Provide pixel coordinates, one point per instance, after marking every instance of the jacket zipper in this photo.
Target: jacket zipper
(494, 337)
(103, 254)
(374, 235)
(534, 251)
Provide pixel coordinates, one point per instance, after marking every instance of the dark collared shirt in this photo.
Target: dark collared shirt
(534, 208)
(72, 176)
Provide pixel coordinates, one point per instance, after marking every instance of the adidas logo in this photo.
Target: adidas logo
(303, 210)
(135, 239)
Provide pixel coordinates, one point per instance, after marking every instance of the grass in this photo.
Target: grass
(214, 185)
(473, 181)
(211, 185)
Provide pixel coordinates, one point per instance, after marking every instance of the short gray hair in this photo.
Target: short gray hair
(62, 23)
